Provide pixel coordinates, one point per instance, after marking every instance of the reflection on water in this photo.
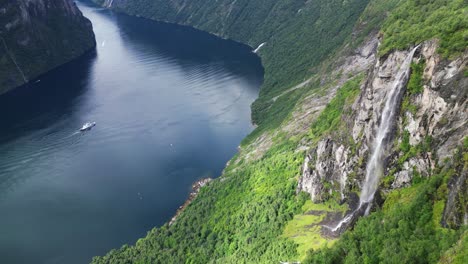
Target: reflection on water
(171, 105)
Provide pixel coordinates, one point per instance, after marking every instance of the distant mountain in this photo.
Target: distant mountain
(36, 36)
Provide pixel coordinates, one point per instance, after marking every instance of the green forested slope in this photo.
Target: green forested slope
(414, 21)
(237, 220)
(408, 227)
(299, 34)
(252, 213)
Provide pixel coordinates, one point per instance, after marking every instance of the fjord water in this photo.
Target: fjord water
(171, 106)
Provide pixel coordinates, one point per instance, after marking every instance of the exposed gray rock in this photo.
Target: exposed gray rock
(456, 209)
(441, 115)
(325, 170)
(402, 179)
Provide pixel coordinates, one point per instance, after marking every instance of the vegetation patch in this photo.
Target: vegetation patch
(402, 232)
(408, 151)
(304, 229)
(415, 83)
(372, 19)
(415, 21)
(274, 113)
(458, 254)
(408, 107)
(330, 118)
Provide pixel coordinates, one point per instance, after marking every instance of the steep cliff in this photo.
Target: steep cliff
(361, 158)
(424, 138)
(38, 35)
(433, 113)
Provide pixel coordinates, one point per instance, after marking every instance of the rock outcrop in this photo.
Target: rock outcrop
(432, 123)
(38, 35)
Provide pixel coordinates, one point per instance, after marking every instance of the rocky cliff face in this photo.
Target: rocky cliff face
(38, 35)
(432, 124)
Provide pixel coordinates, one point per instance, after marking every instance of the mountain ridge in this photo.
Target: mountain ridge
(304, 166)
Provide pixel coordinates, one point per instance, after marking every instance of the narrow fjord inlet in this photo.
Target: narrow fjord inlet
(171, 105)
(233, 131)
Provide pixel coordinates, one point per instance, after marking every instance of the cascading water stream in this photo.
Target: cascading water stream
(108, 3)
(374, 170)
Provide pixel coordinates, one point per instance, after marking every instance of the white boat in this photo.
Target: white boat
(87, 126)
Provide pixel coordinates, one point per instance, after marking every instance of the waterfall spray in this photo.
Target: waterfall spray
(375, 166)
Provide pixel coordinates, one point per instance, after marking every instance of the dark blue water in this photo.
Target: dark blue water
(171, 106)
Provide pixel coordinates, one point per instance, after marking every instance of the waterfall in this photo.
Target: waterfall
(375, 167)
(108, 3)
(13, 60)
(259, 47)
(374, 170)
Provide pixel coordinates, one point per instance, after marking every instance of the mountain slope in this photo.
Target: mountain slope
(303, 169)
(292, 30)
(37, 36)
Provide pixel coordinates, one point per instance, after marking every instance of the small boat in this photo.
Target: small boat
(87, 126)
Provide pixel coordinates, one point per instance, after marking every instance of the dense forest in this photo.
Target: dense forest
(254, 212)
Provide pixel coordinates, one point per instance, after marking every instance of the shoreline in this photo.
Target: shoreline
(196, 186)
